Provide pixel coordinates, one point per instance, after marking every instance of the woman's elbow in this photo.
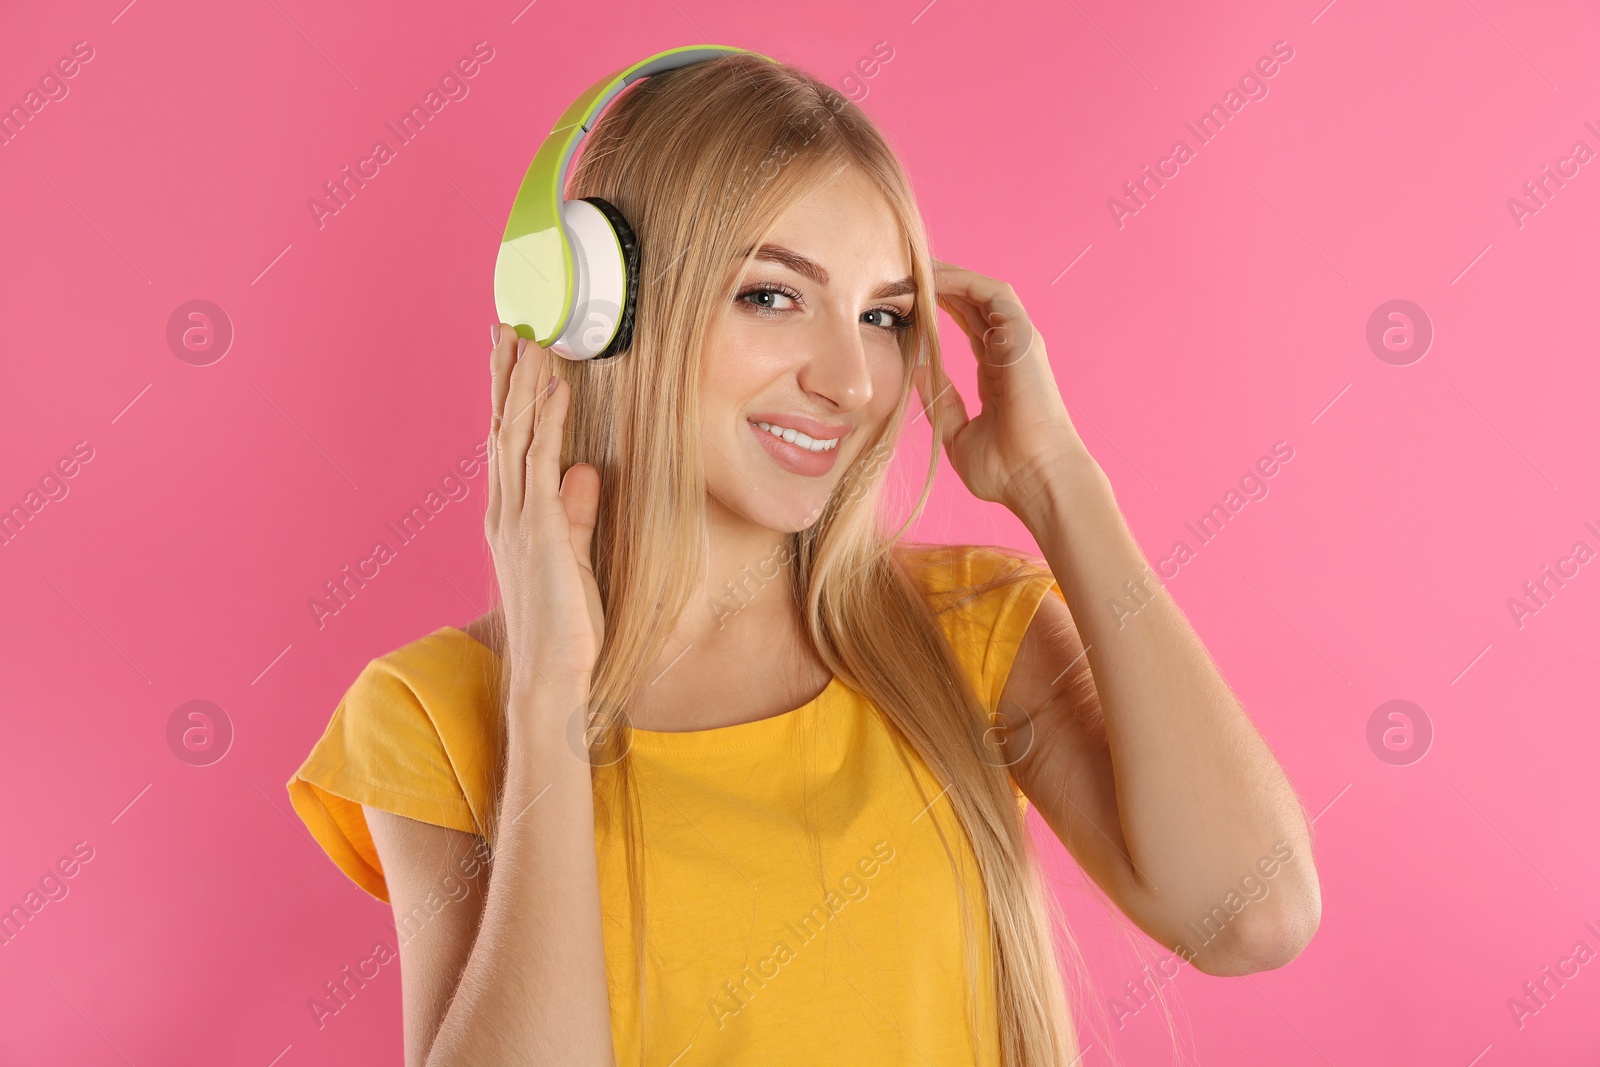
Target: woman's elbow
(1266, 939)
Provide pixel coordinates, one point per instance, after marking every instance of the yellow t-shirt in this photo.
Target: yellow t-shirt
(752, 959)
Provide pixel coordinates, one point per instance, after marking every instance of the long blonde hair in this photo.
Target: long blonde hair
(701, 160)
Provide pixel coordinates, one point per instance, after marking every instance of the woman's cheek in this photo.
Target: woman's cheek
(889, 380)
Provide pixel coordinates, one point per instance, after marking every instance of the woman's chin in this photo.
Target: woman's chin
(789, 521)
(786, 515)
(775, 508)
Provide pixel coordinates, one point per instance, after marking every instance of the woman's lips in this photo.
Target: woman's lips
(793, 458)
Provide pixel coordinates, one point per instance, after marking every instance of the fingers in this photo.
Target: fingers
(502, 356)
(970, 319)
(502, 353)
(550, 411)
(944, 407)
(986, 302)
(990, 314)
(516, 426)
(964, 312)
(978, 288)
(580, 492)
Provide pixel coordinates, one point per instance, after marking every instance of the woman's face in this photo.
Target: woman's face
(809, 346)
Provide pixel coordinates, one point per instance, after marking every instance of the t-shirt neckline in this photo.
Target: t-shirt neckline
(715, 738)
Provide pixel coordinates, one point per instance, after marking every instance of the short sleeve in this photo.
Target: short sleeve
(985, 598)
(409, 736)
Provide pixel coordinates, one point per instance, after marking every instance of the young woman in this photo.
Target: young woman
(732, 773)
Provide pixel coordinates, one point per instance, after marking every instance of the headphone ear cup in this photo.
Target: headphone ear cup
(629, 243)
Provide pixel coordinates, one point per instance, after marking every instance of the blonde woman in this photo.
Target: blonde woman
(734, 773)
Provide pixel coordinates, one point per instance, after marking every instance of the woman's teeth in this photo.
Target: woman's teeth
(795, 437)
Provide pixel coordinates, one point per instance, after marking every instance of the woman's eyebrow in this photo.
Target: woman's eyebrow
(800, 264)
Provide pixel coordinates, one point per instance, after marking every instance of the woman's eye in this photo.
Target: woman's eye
(763, 298)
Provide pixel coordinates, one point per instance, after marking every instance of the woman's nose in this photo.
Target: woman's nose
(835, 365)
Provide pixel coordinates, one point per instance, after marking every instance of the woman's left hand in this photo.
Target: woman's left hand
(1022, 432)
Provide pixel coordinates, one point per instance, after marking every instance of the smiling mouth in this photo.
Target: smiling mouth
(796, 452)
(795, 437)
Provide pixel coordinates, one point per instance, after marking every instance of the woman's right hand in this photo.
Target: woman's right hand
(540, 525)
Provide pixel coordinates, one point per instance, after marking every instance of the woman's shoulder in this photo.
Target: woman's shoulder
(984, 598)
(960, 574)
(413, 734)
(416, 722)
(441, 680)
(443, 647)
(442, 675)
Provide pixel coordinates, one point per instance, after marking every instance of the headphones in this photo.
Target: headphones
(567, 276)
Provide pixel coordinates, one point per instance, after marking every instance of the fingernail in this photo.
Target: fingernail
(494, 334)
(522, 343)
(551, 387)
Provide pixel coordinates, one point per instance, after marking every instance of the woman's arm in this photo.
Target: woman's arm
(533, 989)
(1144, 765)
(1142, 761)
(421, 860)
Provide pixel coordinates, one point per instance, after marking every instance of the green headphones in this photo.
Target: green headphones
(567, 276)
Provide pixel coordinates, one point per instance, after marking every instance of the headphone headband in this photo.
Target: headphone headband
(535, 273)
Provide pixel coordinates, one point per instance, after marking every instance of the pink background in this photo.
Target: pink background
(1229, 313)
